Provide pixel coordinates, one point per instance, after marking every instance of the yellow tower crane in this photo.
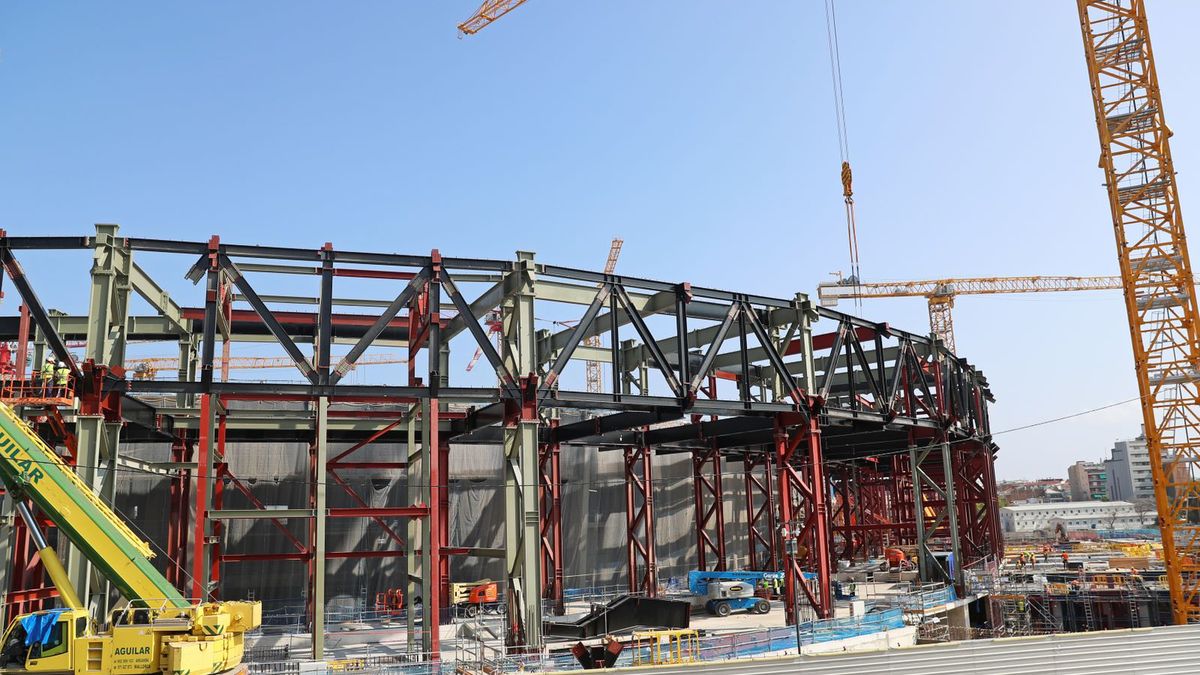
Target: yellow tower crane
(488, 12)
(595, 369)
(1156, 274)
(940, 293)
(147, 368)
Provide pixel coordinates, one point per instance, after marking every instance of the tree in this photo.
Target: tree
(1112, 520)
(1145, 507)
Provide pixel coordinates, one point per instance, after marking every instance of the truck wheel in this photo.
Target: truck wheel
(762, 607)
(721, 609)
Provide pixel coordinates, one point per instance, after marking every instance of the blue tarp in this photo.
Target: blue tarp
(37, 626)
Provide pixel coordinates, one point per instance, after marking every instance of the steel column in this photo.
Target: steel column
(521, 424)
(98, 438)
(709, 508)
(320, 459)
(944, 523)
(417, 476)
(803, 508)
(760, 511)
(177, 528)
(641, 547)
(550, 499)
(205, 466)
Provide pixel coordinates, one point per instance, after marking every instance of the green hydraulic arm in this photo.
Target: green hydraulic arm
(30, 468)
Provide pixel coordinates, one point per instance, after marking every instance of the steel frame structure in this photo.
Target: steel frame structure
(805, 406)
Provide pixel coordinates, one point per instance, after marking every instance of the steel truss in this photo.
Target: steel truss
(822, 422)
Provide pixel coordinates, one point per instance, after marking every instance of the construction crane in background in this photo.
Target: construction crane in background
(147, 368)
(940, 293)
(595, 369)
(488, 12)
(495, 331)
(1156, 273)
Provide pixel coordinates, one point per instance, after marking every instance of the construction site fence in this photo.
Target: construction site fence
(736, 645)
(710, 648)
(721, 647)
(1142, 533)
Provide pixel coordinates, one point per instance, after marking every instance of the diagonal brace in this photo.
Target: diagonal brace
(269, 319)
(507, 379)
(378, 327)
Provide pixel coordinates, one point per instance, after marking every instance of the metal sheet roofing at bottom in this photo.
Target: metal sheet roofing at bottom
(1144, 651)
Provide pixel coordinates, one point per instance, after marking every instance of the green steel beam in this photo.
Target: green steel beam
(158, 298)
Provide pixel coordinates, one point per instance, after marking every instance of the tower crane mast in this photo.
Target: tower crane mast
(1156, 274)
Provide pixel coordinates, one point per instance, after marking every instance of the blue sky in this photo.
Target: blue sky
(702, 132)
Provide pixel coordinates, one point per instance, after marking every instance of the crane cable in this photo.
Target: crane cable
(839, 109)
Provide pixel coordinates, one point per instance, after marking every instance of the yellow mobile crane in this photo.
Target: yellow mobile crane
(159, 631)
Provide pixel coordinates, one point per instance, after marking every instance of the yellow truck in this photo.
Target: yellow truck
(157, 631)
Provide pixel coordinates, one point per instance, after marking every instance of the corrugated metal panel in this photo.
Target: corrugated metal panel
(1146, 651)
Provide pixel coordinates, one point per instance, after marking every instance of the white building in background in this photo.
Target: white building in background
(1072, 515)
(1129, 476)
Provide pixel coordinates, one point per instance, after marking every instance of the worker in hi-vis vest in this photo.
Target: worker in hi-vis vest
(47, 376)
(61, 377)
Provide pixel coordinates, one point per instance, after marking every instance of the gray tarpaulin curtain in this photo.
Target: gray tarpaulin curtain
(593, 498)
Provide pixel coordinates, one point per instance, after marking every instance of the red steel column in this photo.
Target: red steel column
(27, 587)
(762, 530)
(819, 518)
(639, 513)
(218, 500)
(439, 474)
(218, 528)
(442, 493)
(709, 508)
(803, 507)
(550, 496)
(200, 533)
(709, 497)
(173, 520)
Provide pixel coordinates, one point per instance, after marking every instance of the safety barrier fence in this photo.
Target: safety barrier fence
(709, 649)
(928, 598)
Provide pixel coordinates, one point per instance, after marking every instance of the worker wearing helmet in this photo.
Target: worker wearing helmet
(47, 376)
(61, 377)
